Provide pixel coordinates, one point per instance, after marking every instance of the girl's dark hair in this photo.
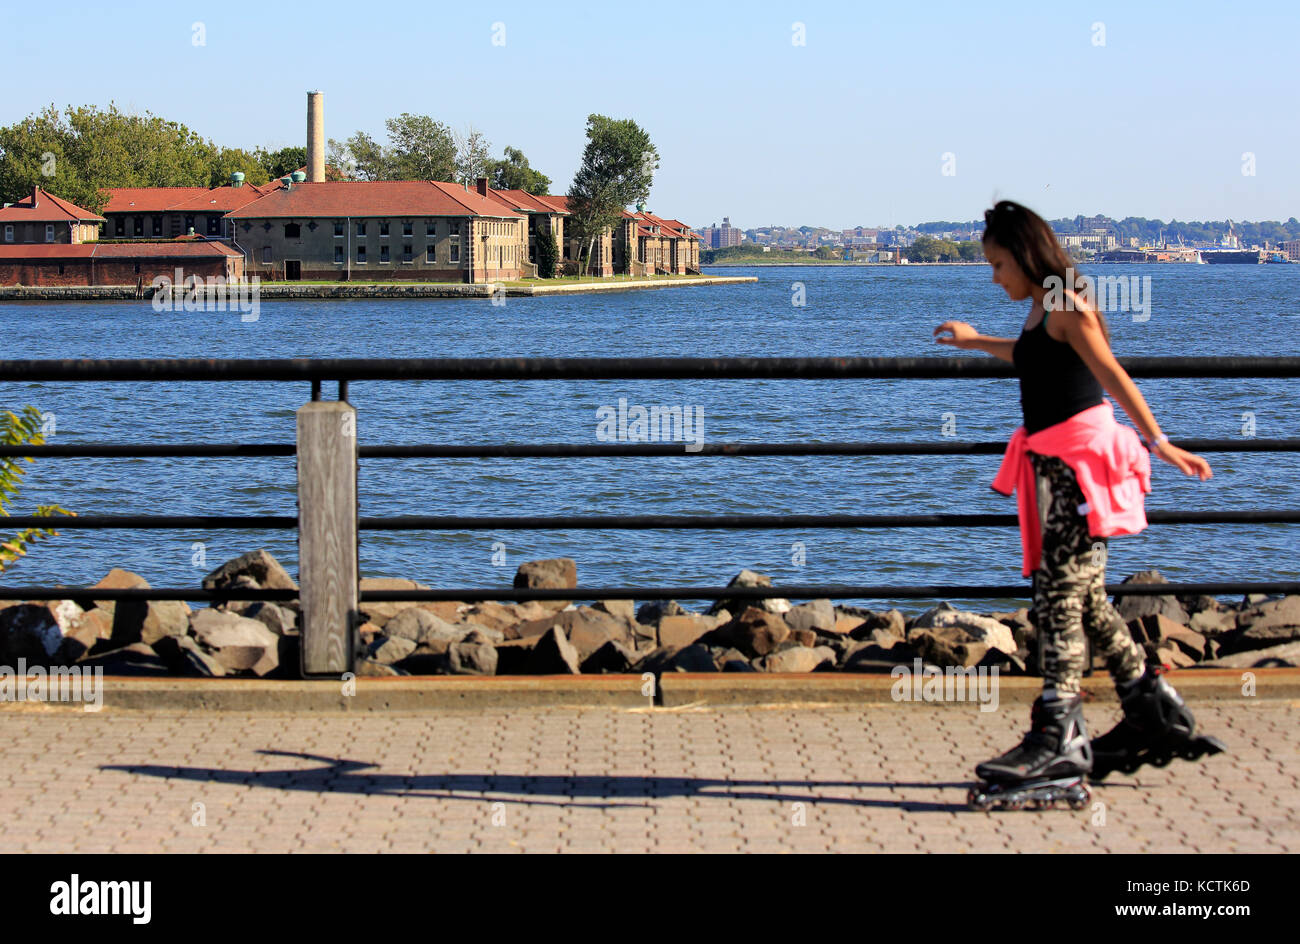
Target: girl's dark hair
(1031, 242)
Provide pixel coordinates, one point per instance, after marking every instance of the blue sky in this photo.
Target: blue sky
(851, 127)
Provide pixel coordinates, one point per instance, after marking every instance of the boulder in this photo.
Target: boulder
(448, 610)
(754, 632)
(183, 656)
(424, 660)
(237, 642)
(473, 655)
(611, 658)
(949, 646)
(1284, 655)
(685, 629)
(798, 659)
(1136, 607)
(391, 649)
(380, 613)
(623, 609)
(256, 570)
(278, 619)
(135, 659)
(369, 668)
(515, 656)
(557, 573)
(1265, 624)
(817, 615)
(94, 629)
(422, 627)
(1214, 623)
(802, 637)
(749, 578)
(588, 629)
(980, 629)
(1159, 630)
(553, 654)
(693, 658)
(35, 631)
(891, 621)
(651, 613)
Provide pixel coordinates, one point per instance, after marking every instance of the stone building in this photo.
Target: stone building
(117, 263)
(169, 212)
(45, 218)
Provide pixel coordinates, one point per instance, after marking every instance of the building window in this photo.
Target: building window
(292, 231)
(157, 226)
(189, 222)
(361, 228)
(406, 253)
(455, 252)
(137, 268)
(266, 255)
(9, 232)
(383, 253)
(139, 225)
(532, 253)
(214, 226)
(338, 254)
(338, 228)
(383, 227)
(60, 268)
(361, 254)
(406, 229)
(430, 254)
(431, 228)
(119, 227)
(453, 228)
(49, 232)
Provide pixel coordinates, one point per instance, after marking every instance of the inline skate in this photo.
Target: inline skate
(1156, 728)
(1049, 765)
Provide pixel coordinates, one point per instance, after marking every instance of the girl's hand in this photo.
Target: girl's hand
(1187, 462)
(962, 334)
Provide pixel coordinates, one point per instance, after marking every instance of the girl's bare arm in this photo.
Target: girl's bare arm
(967, 338)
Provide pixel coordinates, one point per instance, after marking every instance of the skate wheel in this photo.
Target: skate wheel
(978, 801)
(1079, 799)
(1017, 804)
(1160, 760)
(1129, 765)
(1190, 752)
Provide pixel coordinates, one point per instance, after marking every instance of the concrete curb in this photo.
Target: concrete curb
(679, 690)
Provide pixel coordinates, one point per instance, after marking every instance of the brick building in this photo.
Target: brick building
(45, 218)
(169, 212)
(652, 245)
(117, 263)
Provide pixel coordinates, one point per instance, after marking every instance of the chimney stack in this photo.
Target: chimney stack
(36, 195)
(482, 184)
(315, 137)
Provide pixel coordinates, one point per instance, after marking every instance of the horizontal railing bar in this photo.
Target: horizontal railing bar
(610, 368)
(613, 522)
(565, 450)
(797, 592)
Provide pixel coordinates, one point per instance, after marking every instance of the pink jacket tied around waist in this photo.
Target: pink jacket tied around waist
(1111, 464)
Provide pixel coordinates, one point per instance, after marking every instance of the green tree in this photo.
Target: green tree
(512, 172)
(361, 157)
(21, 430)
(284, 161)
(225, 161)
(421, 149)
(472, 158)
(618, 165)
(548, 254)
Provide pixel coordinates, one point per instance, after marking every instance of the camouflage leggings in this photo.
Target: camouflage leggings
(1069, 594)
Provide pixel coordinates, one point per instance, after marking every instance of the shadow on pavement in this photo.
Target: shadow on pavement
(344, 776)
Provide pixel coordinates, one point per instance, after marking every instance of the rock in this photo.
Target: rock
(847, 624)
(685, 629)
(390, 649)
(949, 646)
(1213, 622)
(722, 657)
(891, 621)
(135, 659)
(515, 656)
(553, 654)
(367, 633)
(558, 573)
(1287, 654)
(35, 631)
(501, 617)
(237, 642)
(278, 619)
(447, 610)
(623, 609)
(1021, 626)
(817, 615)
(420, 626)
(1269, 623)
(380, 613)
(611, 658)
(1170, 654)
(369, 668)
(693, 658)
(425, 661)
(588, 629)
(737, 665)
(1136, 607)
(1189, 641)
(144, 621)
(473, 655)
(802, 637)
(799, 659)
(95, 628)
(651, 613)
(749, 578)
(183, 656)
(258, 570)
(755, 632)
(980, 629)
(655, 661)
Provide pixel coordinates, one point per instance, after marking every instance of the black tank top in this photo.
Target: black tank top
(1055, 383)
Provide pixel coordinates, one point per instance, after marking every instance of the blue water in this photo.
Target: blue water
(1195, 311)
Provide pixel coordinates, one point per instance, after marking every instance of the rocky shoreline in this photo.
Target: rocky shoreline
(260, 639)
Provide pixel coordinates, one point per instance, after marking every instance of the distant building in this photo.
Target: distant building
(117, 263)
(44, 218)
(1292, 249)
(720, 237)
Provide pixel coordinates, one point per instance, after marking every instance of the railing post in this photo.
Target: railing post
(327, 536)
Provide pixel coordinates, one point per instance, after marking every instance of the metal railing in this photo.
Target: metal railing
(328, 523)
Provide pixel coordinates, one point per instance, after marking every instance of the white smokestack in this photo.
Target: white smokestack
(315, 137)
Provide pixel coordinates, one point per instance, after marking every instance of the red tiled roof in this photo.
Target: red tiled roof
(372, 198)
(148, 199)
(184, 250)
(522, 200)
(560, 202)
(222, 199)
(47, 209)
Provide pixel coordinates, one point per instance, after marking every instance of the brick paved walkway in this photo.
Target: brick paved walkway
(876, 778)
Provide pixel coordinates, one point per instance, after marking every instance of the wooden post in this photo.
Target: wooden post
(327, 536)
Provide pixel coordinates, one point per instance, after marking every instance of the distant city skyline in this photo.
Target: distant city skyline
(838, 113)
